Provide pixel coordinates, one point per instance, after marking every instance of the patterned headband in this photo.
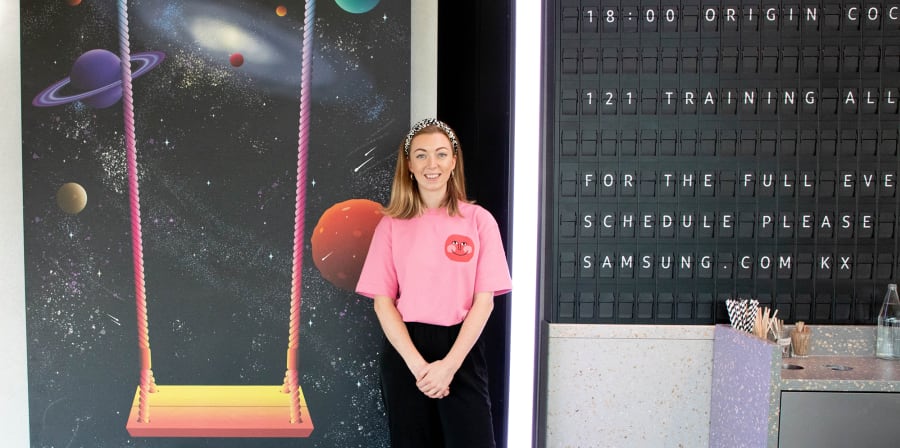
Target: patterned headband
(424, 124)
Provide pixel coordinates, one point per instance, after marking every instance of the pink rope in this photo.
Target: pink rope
(291, 377)
(147, 382)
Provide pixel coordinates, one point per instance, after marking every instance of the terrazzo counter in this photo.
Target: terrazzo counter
(841, 374)
(745, 393)
(626, 386)
(749, 381)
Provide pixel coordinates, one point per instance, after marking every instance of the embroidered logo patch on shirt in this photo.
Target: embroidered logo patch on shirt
(459, 248)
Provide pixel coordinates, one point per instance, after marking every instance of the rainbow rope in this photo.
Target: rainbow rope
(291, 378)
(147, 382)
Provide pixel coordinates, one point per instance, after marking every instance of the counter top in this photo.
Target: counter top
(749, 379)
(866, 374)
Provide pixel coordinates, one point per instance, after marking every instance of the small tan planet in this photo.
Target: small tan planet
(71, 198)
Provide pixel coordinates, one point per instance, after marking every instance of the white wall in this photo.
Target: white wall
(13, 386)
(622, 386)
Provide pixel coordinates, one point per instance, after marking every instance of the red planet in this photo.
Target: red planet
(340, 241)
(236, 59)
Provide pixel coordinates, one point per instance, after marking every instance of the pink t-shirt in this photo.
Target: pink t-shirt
(434, 264)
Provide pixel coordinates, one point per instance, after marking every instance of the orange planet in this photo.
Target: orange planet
(71, 198)
(73, 2)
(340, 241)
(281, 11)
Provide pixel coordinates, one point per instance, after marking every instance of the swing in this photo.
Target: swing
(222, 410)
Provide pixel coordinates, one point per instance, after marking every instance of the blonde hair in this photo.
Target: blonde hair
(406, 202)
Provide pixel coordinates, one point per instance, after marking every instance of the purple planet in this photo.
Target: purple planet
(97, 75)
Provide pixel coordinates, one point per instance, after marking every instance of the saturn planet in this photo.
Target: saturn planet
(97, 76)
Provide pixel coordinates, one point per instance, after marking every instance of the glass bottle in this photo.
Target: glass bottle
(887, 339)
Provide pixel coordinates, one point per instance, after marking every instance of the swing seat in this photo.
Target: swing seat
(219, 411)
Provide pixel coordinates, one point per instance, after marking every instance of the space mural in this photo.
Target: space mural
(215, 96)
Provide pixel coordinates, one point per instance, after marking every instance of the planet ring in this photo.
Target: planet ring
(48, 97)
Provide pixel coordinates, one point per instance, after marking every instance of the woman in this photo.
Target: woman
(434, 266)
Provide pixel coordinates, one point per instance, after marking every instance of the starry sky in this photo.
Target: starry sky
(217, 160)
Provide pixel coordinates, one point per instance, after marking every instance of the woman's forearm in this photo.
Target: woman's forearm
(472, 326)
(395, 330)
(437, 376)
